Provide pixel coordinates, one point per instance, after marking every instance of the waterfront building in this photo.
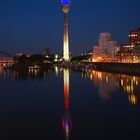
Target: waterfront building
(125, 47)
(106, 49)
(97, 54)
(104, 38)
(124, 56)
(136, 54)
(129, 55)
(134, 37)
(96, 51)
(65, 8)
(112, 49)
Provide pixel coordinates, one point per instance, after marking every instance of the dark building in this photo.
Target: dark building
(134, 37)
(46, 51)
(125, 56)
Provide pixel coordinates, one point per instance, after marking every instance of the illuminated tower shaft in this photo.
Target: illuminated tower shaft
(65, 8)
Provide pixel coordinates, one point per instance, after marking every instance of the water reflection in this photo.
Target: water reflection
(87, 114)
(108, 83)
(1, 70)
(25, 75)
(2, 66)
(40, 74)
(66, 120)
(29, 74)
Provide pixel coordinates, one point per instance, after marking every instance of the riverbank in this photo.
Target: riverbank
(125, 68)
(21, 66)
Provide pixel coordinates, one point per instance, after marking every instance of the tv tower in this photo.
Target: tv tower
(65, 8)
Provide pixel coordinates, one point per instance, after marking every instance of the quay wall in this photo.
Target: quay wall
(128, 68)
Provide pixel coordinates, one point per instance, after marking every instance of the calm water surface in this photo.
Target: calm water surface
(63, 104)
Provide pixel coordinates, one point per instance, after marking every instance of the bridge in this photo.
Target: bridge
(5, 59)
(5, 54)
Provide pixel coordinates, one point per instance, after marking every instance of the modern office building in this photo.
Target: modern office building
(134, 37)
(113, 48)
(65, 8)
(106, 49)
(104, 38)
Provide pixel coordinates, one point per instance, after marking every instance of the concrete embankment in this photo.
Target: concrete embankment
(126, 68)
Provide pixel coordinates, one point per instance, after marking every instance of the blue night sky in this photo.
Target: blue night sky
(31, 25)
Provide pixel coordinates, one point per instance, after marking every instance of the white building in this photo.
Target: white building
(112, 49)
(106, 49)
(104, 38)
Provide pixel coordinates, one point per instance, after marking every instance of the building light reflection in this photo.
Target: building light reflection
(107, 84)
(56, 70)
(132, 99)
(1, 70)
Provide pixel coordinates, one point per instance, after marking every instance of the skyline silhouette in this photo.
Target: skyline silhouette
(31, 26)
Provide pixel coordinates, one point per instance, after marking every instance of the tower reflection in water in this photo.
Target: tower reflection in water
(108, 83)
(66, 120)
(1, 70)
